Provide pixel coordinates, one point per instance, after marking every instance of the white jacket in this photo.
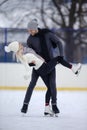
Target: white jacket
(29, 57)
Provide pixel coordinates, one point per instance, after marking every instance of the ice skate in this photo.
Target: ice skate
(55, 110)
(48, 111)
(24, 108)
(76, 68)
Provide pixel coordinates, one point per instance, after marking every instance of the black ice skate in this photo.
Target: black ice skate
(24, 108)
(55, 110)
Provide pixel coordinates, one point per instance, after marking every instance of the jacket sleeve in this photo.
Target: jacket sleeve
(56, 41)
(23, 61)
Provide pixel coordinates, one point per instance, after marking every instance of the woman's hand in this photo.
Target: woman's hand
(32, 63)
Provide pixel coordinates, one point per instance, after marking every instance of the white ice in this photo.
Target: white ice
(72, 105)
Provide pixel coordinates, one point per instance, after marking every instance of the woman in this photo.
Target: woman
(40, 65)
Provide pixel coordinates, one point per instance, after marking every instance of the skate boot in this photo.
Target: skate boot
(48, 111)
(55, 110)
(24, 108)
(76, 68)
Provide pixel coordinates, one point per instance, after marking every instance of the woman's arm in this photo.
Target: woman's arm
(22, 60)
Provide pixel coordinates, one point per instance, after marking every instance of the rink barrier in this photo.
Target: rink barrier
(44, 88)
(12, 78)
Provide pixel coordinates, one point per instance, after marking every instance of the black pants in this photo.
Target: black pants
(46, 68)
(64, 62)
(49, 81)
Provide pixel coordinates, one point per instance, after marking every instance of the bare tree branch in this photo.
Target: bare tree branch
(59, 10)
(72, 17)
(42, 13)
(3, 2)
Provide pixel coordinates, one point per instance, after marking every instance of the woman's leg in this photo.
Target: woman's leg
(64, 62)
(75, 68)
(48, 92)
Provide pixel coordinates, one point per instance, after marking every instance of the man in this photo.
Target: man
(43, 42)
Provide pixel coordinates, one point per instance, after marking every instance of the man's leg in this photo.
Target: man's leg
(52, 82)
(48, 110)
(29, 91)
(51, 92)
(48, 92)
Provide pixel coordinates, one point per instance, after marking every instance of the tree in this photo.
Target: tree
(71, 18)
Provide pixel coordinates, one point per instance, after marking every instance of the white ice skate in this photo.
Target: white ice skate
(76, 68)
(48, 111)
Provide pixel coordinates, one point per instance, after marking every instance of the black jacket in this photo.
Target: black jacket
(52, 42)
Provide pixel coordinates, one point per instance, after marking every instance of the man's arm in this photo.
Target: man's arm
(55, 40)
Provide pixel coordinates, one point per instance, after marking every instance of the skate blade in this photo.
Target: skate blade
(48, 114)
(51, 115)
(56, 115)
(23, 114)
(77, 72)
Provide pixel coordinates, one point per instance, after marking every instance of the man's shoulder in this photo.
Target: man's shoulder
(45, 30)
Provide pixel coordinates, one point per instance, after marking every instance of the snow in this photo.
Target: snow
(72, 105)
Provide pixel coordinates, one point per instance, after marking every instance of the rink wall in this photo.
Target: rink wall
(12, 77)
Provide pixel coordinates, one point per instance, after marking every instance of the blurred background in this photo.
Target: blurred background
(66, 18)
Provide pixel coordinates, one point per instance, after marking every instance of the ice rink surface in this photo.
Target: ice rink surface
(72, 105)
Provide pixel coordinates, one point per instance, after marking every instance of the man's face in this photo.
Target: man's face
(32, 32)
